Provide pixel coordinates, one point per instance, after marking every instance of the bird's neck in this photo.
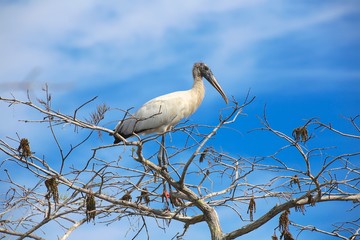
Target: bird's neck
(198, 90)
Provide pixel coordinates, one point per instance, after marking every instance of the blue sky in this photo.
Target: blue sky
(301, 59)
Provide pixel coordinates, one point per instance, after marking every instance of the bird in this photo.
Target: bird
(161, 114)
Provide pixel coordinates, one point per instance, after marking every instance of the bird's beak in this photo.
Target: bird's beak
(212, 80)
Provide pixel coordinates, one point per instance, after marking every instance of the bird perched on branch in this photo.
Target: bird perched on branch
(162, 113)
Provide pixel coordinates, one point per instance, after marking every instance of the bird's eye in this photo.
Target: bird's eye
(206, 68)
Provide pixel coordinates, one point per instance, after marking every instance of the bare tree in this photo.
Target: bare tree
(199, 180)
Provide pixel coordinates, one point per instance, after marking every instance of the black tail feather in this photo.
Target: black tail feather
(118, 139)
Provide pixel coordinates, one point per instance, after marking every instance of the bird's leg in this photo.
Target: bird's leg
(162, 155)
(162, 158)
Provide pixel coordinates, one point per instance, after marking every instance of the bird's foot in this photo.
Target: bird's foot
(164, 168)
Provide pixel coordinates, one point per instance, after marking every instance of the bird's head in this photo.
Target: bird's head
(202, 70)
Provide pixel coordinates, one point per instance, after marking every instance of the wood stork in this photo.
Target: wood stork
(162, 113)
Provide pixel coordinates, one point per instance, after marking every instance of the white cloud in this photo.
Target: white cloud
(132, 37)
(74, 42)
(112, 41)
(244, 33)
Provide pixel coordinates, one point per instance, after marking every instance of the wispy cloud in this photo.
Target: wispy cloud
(245, 45)
(116, 40)
(94, 44)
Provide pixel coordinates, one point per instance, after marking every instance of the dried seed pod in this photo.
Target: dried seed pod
(52, 187)
(300, 132)
(284, 221)
(177, 202)
(296, 134)
(24, 148)
(287, 235)
(126, 197)
(203, 154)
(274, 237)
(300, 208)
(295, 180)
(311, 199)
(252, 208)
(90, 207)
(144, 195)
(304, 136)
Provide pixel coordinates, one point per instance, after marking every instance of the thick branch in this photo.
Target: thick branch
(280, 208)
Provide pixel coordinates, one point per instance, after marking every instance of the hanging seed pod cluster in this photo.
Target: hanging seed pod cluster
(144, 195)
(300, 208)
(24, 148)
(311, 200)
(176, 202)
(295, 180)
(127, 197)
(274, 237)
(300, 133)
(284, 225)
(52, 187)
(251, 208)
(90, 207)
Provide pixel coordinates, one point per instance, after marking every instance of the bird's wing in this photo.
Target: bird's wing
(125, 127)
(155, 115)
